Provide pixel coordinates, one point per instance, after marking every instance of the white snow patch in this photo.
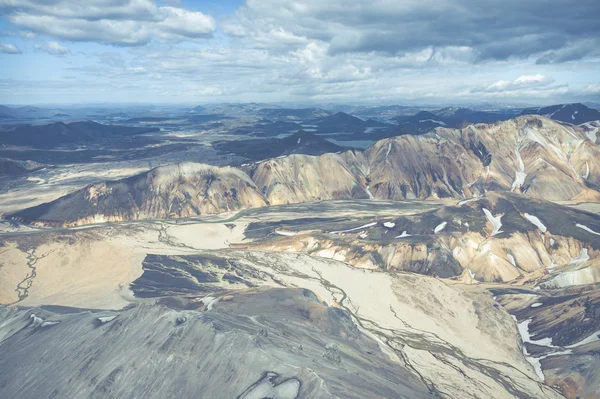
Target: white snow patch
(440, 227)
(587, 170)
(368, 190)
(584, 227)
(299, 140)
(536, 305)
(495, 220)
(536, 221)
(209, 302)
(512, 259)
(404, 234)
(389, 225)
(285, 233)
(583, 257)
(520, 175)
(356, 228)
(106, 319)
(592, 338)
(526, 337)
(471, 273)
(363, 235)
(49, 323)
(388, 150)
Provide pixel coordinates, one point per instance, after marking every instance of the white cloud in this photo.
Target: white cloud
(522, 82)
(127, 23)
(53, 48)
(8, 48)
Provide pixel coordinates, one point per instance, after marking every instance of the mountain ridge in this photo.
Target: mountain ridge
(532, 155)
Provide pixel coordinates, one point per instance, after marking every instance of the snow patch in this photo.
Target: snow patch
(494, 220)
(520, 175)
(389, 225)
(440, 227)
(106, 319)
(536, 221)
(368, 190)
(512, 259)
(404, 234)
(584, 227)
(536, 305)
(592, 338)
(583, 257)
(285, 233)
(209, 302)
(388, 150)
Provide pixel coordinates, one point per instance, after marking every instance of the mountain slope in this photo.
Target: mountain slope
(12, 167)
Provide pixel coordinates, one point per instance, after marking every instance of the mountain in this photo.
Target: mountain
(197, 109)
(500, 237)
(288, 114)
(59, 134)
(571, 113)
(301, 142)
(29, 112)
(474, 116)
(342, 122)
(12, 167)
(531, 155)
(171, 191)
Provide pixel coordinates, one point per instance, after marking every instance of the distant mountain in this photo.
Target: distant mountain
(287, 114)
(237, 109)
(571, 113)
(29, 112)
(530, 155)
(198, 108)
(343, 122)
(59, 134)
(12, 167)
(300, 142)
(473, 116)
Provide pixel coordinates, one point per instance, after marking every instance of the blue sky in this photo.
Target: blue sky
(303, 51)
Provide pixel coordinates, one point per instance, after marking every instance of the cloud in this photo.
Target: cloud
(125, 23)
(8, 48)
(522, 82)
(493, 30)
(53, 48)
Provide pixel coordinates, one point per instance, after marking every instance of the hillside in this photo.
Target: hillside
(531, 155)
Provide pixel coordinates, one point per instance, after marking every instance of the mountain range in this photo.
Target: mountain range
(531, 155)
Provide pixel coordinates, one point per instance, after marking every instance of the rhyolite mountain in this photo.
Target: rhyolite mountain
(532, 155)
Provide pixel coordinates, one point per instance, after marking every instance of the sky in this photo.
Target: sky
(447, 52)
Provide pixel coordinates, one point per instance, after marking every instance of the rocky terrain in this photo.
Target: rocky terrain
(464, 262)
(497, 238)
(532, 155)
